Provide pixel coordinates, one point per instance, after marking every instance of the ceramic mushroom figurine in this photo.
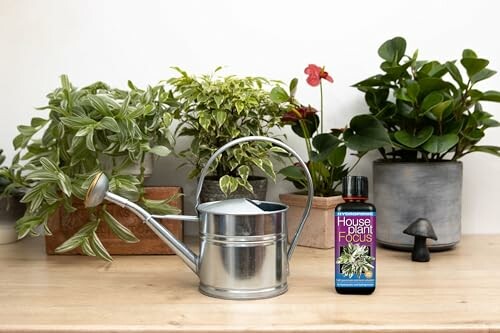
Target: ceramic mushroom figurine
(421, 229)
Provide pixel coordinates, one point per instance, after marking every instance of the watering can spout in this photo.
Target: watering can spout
(98, 192)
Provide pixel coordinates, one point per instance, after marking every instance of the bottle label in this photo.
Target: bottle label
(355, 247)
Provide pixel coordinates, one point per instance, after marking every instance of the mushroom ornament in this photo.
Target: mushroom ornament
(421, 229)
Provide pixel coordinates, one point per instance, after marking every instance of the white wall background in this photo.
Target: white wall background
(114, 41)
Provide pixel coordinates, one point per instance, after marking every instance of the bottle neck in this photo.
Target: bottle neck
(354, 199)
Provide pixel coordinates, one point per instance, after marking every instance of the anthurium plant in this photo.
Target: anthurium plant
(214, 110)
(427, 110)
(59, 154)
(326, 150)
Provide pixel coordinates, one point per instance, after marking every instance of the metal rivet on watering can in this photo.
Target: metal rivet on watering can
(421, 229)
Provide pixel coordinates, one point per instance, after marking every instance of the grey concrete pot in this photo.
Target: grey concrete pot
(403, 192)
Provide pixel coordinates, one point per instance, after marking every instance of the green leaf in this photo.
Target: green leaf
(160, 151)
(293, 172)
(325, 141)
(430, 101)
(99, 248)
(119, 229)
(366, 133)
(89, 140)
(225, 184)
(468, 53)
(393, 50)
(337, 157)
(220, 117)
(38, 122)
(491, 95)
(412, 89)
(293, 86)
(455, 73)
(440, 144)
(244, 171)
(474, 65)
(494, 150)
(77, 122)
(482, 75)
(413, 141)
(78, 238)
(161, 206)
(109, 124)
(279, 95)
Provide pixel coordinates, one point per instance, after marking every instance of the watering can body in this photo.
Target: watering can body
(243, 247)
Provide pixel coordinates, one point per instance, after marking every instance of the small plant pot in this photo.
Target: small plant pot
(211, 191)
(319, 228)
(404, 192)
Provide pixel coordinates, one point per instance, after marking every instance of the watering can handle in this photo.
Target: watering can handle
(310, 189)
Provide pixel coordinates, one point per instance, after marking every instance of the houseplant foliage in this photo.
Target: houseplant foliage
(62, 153)
(215, 110)
(429, 110)
(326, 151)
(355, 260)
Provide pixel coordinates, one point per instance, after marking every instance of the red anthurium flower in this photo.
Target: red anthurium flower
(303, 112)
(315, 74)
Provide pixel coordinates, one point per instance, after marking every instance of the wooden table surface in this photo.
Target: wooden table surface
(457, 290)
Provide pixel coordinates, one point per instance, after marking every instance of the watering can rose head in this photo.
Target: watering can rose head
(326, 151)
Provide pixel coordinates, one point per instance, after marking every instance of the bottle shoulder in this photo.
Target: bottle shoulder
(356, 206)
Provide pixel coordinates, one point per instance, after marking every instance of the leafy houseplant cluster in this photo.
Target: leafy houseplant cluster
(61, 153)
(326, 151)
(355, 260)
(215, 110)
(429, 110)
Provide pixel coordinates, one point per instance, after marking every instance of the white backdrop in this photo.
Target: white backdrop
(114, 41)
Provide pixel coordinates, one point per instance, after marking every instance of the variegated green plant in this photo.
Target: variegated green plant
(61, 153)
(215, 110)
(355, 260)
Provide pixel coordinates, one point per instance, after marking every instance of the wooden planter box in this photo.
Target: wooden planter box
(64, 225)
(319, 228)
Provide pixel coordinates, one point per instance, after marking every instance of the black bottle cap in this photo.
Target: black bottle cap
(355, 187)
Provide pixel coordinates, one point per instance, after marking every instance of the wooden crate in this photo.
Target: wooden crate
(64, 225)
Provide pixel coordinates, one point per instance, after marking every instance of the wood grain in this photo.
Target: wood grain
(457, 291)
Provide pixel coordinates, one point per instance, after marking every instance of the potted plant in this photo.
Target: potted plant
(424, 116)
(62, 153)
(10, 207)
(213, 111)
(326, 162)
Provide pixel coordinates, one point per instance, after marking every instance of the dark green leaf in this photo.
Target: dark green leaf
(366, 133)
(455, 73)
(293, 86)
(413, 141)
(474, 65)
(293, 172)
(482, 75)
(393, 50)
(494, 150)
(468, 53)
(440, 144)
(337, 156)
(491, 95)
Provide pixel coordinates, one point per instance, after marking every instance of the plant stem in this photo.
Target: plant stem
(321, 101)
(307, 139)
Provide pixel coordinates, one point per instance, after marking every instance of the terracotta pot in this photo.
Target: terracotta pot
(65, 225)
(319, 228)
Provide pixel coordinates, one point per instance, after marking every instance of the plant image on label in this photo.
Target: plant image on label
(355, 260)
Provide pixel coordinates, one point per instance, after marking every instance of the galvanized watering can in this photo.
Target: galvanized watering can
(244, 251)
